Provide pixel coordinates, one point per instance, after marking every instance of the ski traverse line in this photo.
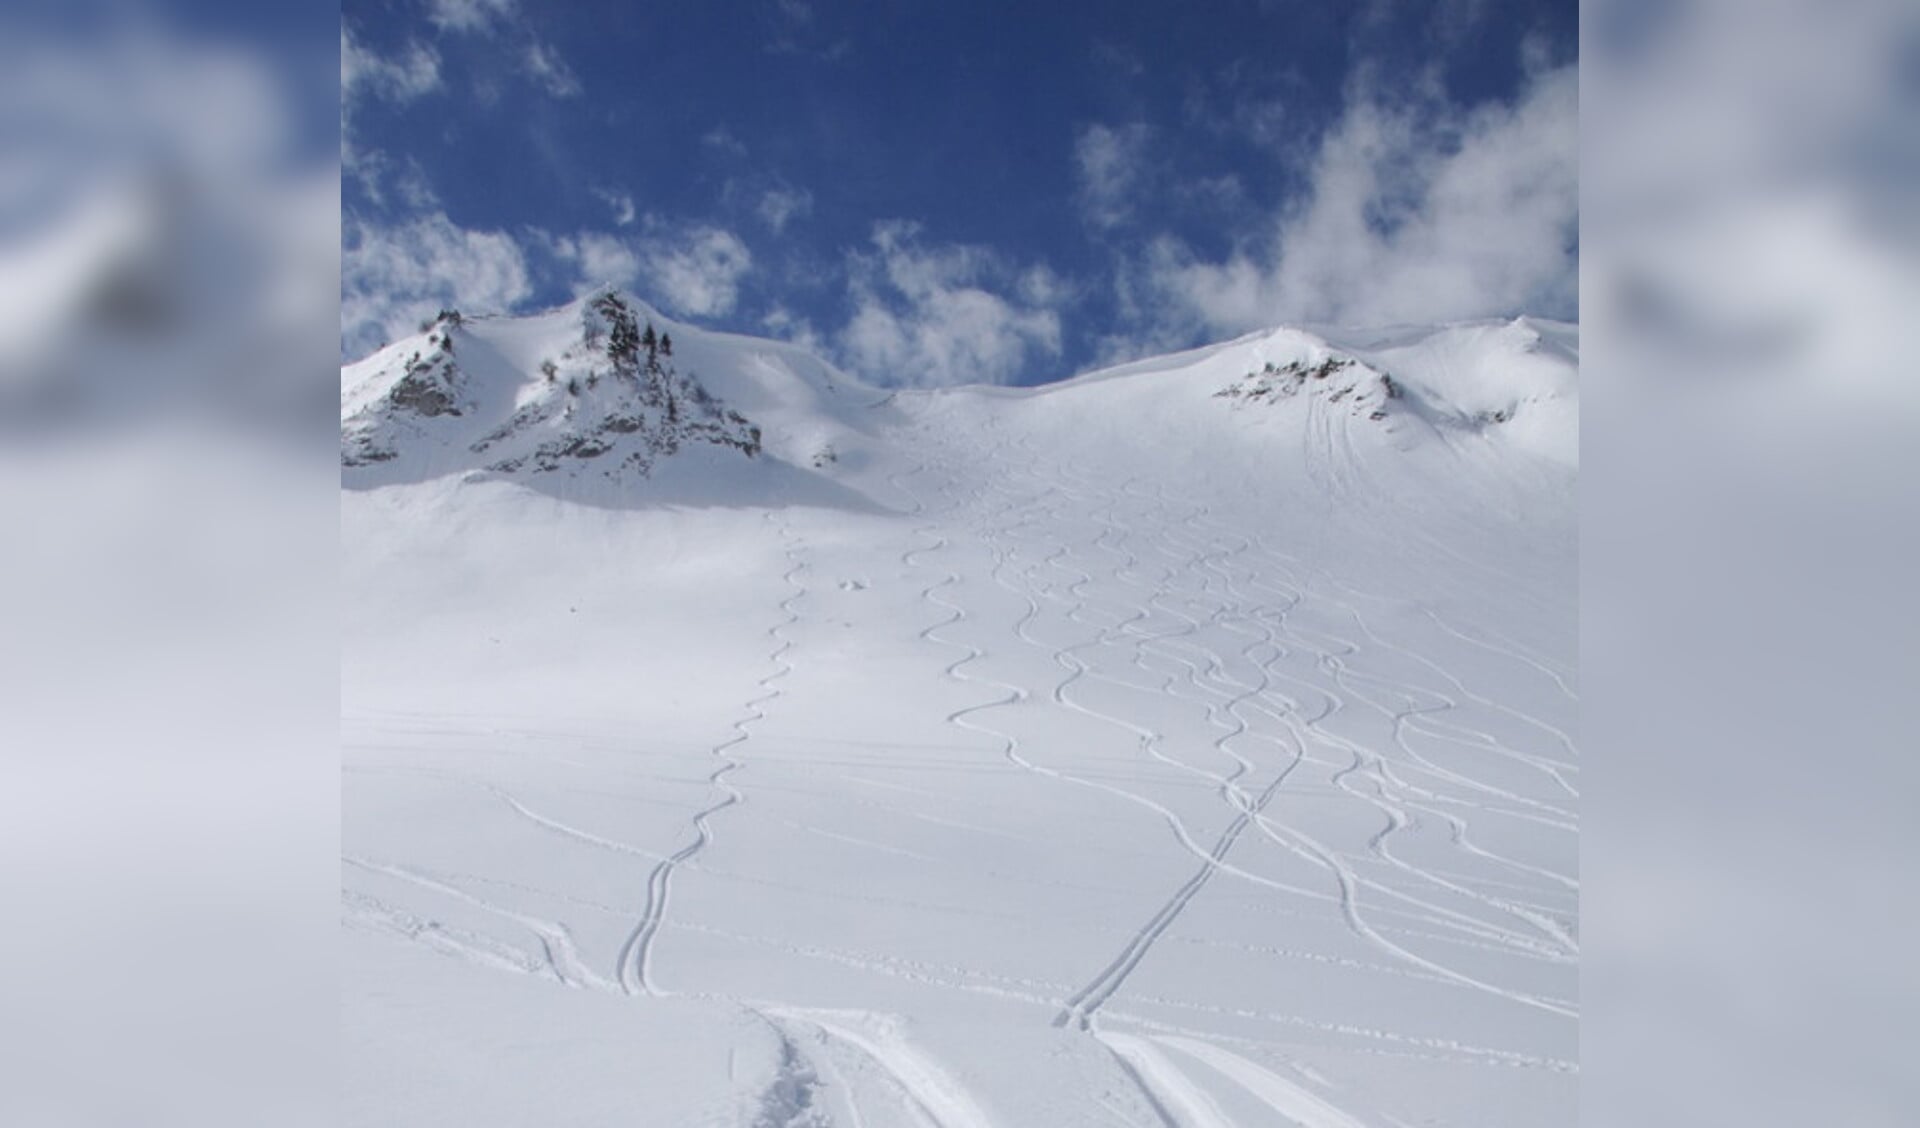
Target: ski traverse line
(1212, 860)
(1080, 1008)
(1508, 650)
(545, 822)
(634, 965)
(1418, 1047)
(361, 910)
(1447, 918)
(1285, 1098)
(1210, 557)
(1288, 561)
(1343, 675)
(1176, 1101)
(1311, 728)
(973, 981)
(1078, 1011)
(1498, 904)
(1172, 598)
(1398, 820)
(1554, 731)
(931, 1095)
(556, 940)
(1552, 768)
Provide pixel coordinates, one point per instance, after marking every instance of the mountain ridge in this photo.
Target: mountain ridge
(607, 387)
(977, 730)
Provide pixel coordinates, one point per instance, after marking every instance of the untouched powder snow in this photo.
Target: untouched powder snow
(1185, 744)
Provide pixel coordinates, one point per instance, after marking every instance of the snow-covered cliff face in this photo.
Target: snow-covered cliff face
(1509, 384)
(605, 391)
(606, 397)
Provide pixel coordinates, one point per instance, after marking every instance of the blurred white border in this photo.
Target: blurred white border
(1750, 526)
(168, 657)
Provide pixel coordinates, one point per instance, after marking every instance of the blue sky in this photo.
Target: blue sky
(948, 193)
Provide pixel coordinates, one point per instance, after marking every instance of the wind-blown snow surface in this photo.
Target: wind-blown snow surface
(1185, 744)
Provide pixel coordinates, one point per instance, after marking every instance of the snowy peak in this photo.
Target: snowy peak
(616, 395)
(1470, 378)
(1512, 383)
(605, 397)
(418, 377)
(606, 390)
(1333, 379)
(1516, 381)
(429, 385)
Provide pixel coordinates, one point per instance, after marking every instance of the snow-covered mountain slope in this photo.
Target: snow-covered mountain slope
(1188, 743)
(596, 394)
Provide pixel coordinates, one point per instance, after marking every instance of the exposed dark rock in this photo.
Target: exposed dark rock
(613, 399)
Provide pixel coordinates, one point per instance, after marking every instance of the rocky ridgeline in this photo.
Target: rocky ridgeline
(1334, 380)
(616, 393)
(430, 387)
(612, 402)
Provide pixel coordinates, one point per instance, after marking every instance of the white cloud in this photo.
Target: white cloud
(783, 323)
(551, 71)
(415, 72)
(721, 140)
(366, 74)
(1416, 212)
(1109, 161)
(402, 79)
(385, 179)
(595, 258)
(778, 206)
(414, 188)
(922, 316)
(621, 203)
(697, 271)
(1040, 286)
(539, 60)
(470, 15)
(393, 277)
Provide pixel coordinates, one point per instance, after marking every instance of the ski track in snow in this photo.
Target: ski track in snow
(1079, 1007)
(635, 970)
(1282, 735)
(1333, 656)
(924, 1088)
(562, 957)
(1286, 1099)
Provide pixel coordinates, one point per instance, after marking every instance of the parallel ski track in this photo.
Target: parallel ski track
(1350, 882)
(1207, 619)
